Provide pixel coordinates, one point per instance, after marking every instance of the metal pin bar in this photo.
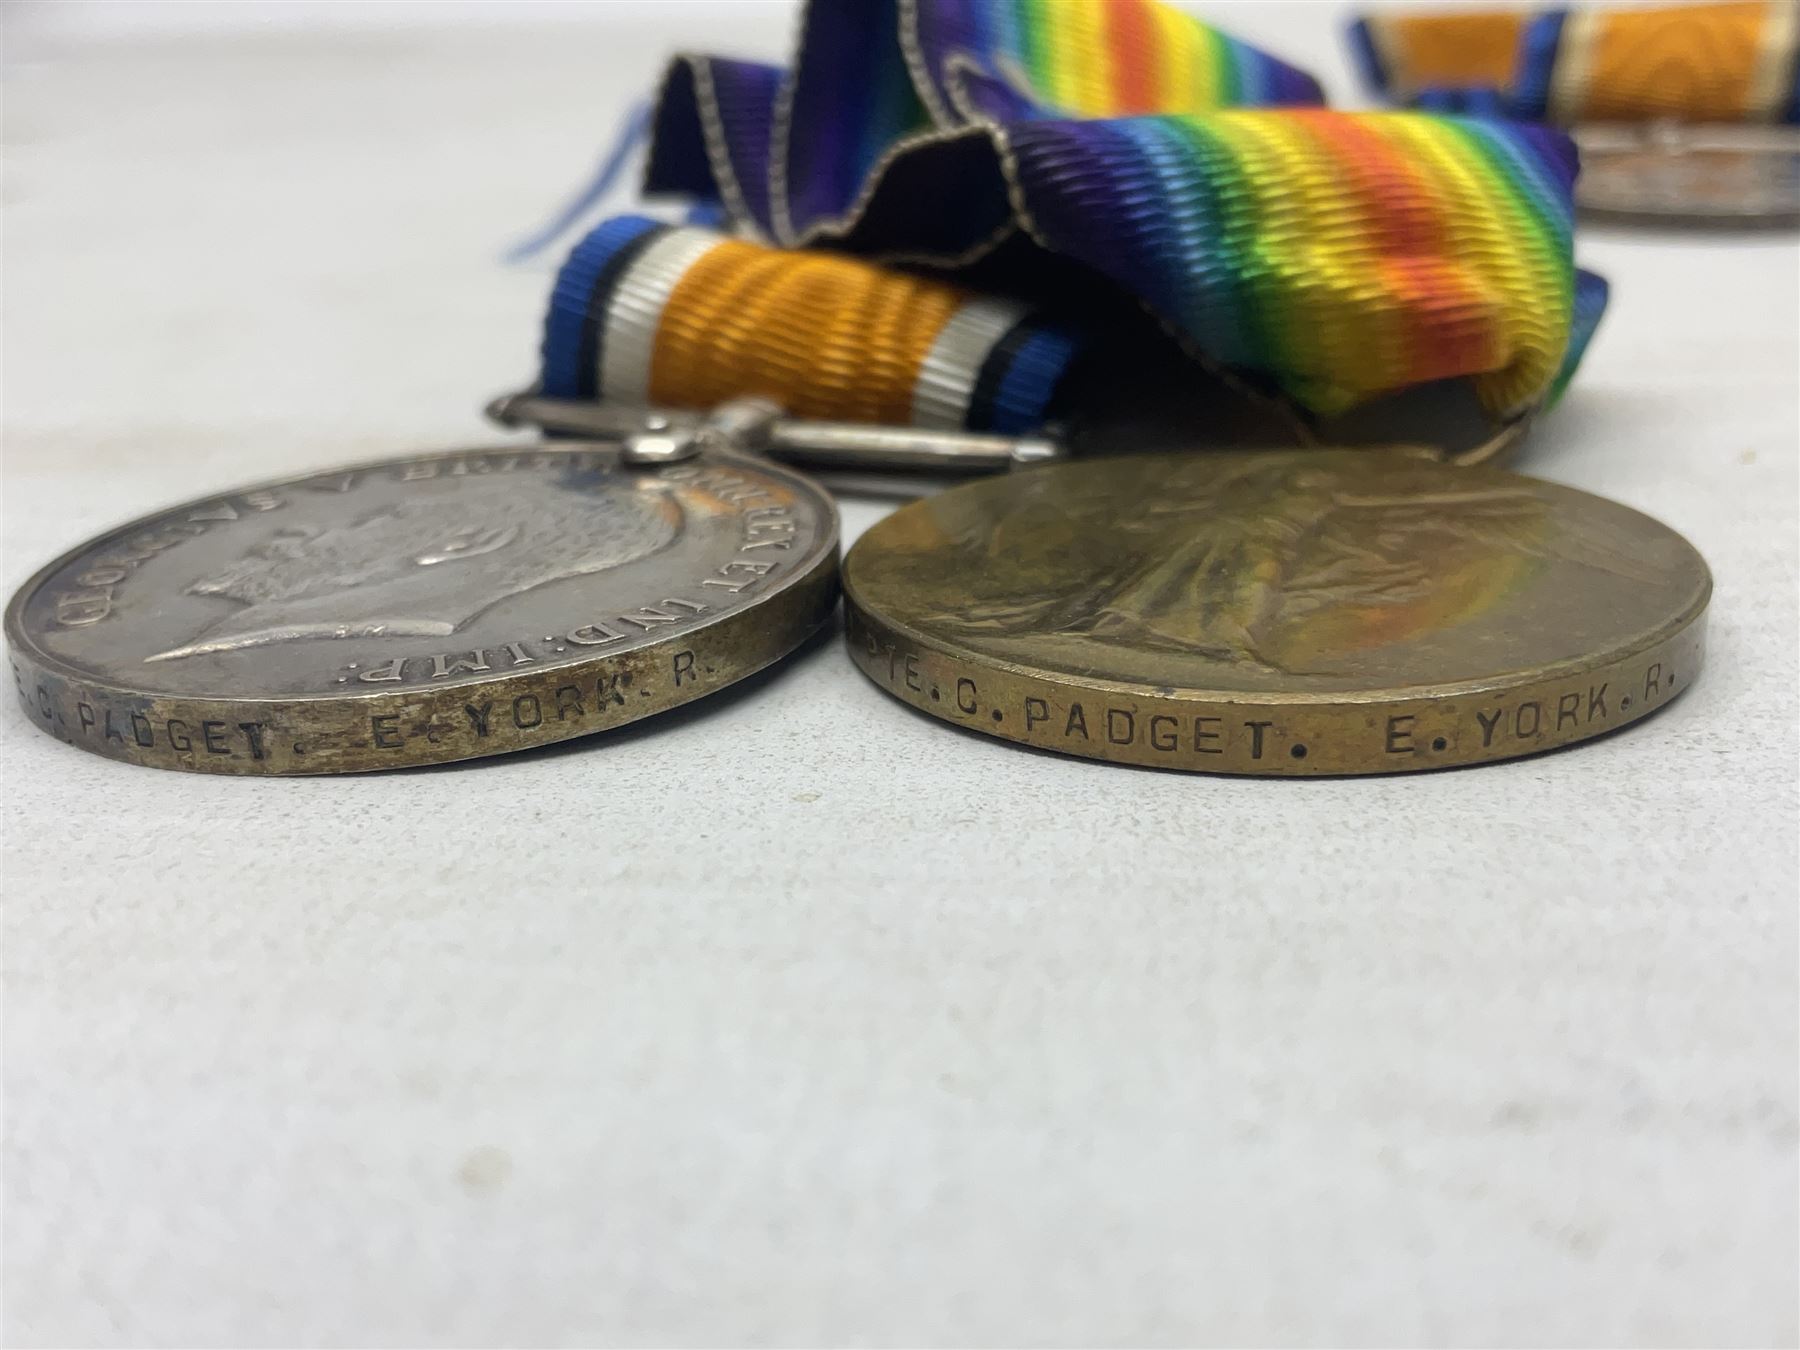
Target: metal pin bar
(755, 426)
(1677, 137)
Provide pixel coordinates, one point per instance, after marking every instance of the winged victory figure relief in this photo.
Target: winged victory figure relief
(1225, 556)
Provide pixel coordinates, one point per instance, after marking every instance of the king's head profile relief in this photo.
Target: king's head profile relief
(428, 565)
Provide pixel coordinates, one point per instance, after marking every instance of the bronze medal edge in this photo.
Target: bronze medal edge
(1280, 734)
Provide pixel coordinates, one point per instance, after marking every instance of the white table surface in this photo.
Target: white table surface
(800, 1018)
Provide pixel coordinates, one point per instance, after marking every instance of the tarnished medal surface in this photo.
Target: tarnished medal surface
(1730, 177)
(1314, 612)
(422, 610)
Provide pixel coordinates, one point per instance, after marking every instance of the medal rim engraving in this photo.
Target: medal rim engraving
(1395, 728)
(369, 729)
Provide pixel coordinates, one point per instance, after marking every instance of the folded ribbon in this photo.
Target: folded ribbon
(1737, 61)
(1041, 145)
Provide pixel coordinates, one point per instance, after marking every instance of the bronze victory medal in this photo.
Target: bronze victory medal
(422, 610)
(1312, 612)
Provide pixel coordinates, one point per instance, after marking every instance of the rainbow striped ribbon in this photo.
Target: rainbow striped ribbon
(1737, 61)
(1038, 147)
